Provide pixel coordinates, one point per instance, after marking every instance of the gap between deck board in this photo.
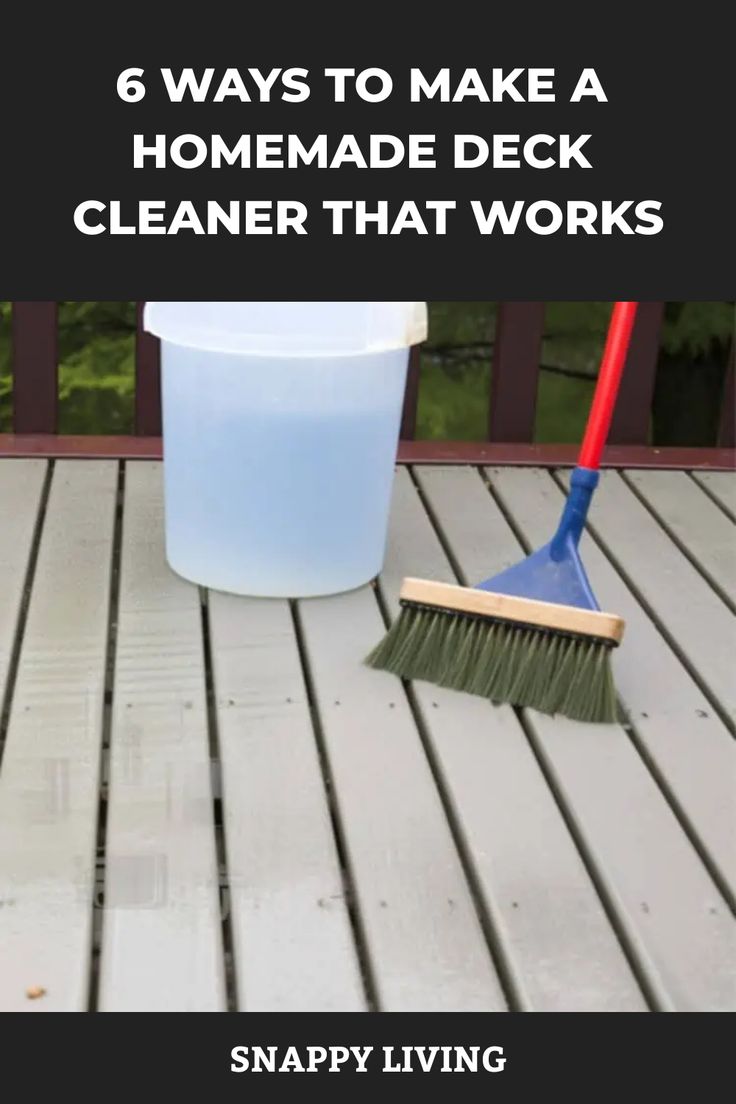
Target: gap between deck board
(49, 783)
(707, 820)
(663, 701)
(593, 767)
(25, 506)
(221, 854)
(161, 935)
(693, 522)
(425, 941)
(347, 873)
(419, 719)
(693, 619)
(515, 991)
(556, 946)
(101, 827)
(476, 538)
(719, 486)
(292, 938)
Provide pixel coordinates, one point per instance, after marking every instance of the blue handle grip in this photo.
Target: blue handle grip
(583, 482)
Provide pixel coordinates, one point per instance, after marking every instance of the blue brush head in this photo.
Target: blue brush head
(555, 572)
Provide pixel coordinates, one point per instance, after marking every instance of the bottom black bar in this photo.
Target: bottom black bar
(472, 1056)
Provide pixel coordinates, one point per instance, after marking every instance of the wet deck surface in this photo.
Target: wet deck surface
(209, 802)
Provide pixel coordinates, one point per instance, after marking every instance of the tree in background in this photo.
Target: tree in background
(96, 366)
(696, 340)
(96, 372)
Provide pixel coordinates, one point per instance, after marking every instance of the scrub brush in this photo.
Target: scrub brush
(534, 634)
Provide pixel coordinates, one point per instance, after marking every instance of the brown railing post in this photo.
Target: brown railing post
(515, 371)
(727, 425)
(147, 381)
(35, 367)
(411, 396)
(633, 414)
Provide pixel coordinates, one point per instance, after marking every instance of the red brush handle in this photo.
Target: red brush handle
(609, 378)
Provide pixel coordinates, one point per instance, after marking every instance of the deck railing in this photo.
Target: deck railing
(513, 385)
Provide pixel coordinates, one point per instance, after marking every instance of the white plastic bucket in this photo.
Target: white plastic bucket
(280, 428)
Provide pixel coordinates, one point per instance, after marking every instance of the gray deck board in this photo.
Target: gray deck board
(633, 843)
(721, 486)
(675, 919)
(161, 934)
(425, 943)
(557, 943)
(293, 943)
(688, 743)
(21, 483)
(696, 523)
(49, 782)
(682, 601)
(289, 830)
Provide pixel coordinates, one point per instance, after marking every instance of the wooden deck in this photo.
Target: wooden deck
(208, 802)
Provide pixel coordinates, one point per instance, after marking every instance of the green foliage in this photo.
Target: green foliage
(96, 367)
(693, 329)
(453, 397)
(96, 370)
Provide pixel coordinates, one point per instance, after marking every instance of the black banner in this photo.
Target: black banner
(582, 153)
(258, 1057)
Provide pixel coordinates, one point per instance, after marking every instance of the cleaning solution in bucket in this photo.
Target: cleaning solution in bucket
(280, 424)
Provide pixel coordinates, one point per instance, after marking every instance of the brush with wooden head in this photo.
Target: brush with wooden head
(533, 635)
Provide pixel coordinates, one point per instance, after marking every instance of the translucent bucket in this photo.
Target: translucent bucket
(280, 437)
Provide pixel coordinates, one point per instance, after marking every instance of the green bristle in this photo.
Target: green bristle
(537, 668)
(410, 635)
(525, 683)
(561, 673)
(383, 656)
(442, 647)
(546, 659)
(454, 646)
(480, 679)
(464, 658)
(510, 665)
(424, 661)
